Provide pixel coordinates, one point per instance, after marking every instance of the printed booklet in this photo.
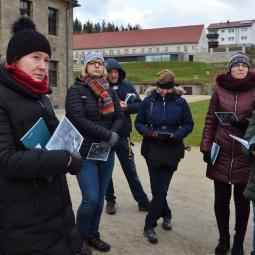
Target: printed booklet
(225, 118)
(214, 152)
(130, 98)
(65, 137)
(245, 143)
(99, 151)
(37, 136)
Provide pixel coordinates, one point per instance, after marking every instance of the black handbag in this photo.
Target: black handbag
(166, 154)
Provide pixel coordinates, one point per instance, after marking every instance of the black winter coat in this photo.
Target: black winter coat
(36, 216)
(122, 90)
(123, 87)
(82, 110)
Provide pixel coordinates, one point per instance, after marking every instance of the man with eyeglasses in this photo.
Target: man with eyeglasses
(125, 89)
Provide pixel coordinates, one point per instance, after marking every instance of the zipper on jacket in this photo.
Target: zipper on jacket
(233, 148)
(164, 108)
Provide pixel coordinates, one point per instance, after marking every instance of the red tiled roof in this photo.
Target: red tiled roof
(168, 35)
(228, 24)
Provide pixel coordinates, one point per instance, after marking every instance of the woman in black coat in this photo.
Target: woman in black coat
(94, 109)
(36, 215)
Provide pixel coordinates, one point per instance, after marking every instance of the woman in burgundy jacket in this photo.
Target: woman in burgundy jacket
(234, 92)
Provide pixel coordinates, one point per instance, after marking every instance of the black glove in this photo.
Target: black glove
(113, 139)
(207, 157)
(241, 124)
(76, 163)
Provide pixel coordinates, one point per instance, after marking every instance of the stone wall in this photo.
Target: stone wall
(61, 44)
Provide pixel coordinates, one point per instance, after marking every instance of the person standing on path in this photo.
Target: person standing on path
(164, 120)
(36, 215)
(116, 78)
(94, 109)
(234, 92)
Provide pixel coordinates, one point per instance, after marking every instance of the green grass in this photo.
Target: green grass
(199, 110)
(142, 72)
(185, 71)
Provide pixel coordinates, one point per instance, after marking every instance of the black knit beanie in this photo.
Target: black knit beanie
(25, 40)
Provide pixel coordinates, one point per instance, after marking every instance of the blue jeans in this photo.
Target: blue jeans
(126, 158)
(160, 178)
(93, 180)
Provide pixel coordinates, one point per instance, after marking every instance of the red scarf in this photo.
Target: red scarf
(37, 87)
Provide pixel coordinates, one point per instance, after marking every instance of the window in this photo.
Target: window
(222, 30)
(126, 51)
(150, 50)
(186, 49)
(178, 49)
(111, 52)
(157, 50)
(25, 8)
(166, 49)
(231, 30)
(52, 21)
(222, 39)
(244, 29)
(134, 51)
(243, 37)
(53, 79)
(231, 38)
(118, 52)
(142, 50)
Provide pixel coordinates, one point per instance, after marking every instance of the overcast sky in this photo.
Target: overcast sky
(164, 13)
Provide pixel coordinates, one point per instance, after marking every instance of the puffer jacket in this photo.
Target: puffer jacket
(236, 96)
(170, 114)
(36, 215)
(249, 191)
(82, 111)
(122, 88)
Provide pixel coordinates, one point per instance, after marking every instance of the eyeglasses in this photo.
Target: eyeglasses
(240, 65)
(96, 62)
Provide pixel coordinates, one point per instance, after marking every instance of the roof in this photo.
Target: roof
(157, 36)
(228, 24)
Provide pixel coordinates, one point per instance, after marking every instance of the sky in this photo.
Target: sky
(164, 13)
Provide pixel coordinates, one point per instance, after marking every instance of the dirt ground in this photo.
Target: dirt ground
(191, 199)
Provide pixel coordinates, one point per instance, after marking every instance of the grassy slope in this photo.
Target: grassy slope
(199, 110)
(184, 71)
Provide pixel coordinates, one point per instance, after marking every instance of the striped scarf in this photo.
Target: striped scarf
(100, 87)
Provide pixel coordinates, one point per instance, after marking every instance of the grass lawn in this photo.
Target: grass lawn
(140, 72)
(199, 110)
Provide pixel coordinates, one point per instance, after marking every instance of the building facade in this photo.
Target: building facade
(235, 33)
(161, 44)
(54, 19)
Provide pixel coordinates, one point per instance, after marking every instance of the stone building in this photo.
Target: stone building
(54, 19)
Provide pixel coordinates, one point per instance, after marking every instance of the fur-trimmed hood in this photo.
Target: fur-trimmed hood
(178, 90)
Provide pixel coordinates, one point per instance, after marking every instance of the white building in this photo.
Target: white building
(161, 44)
(235, 33)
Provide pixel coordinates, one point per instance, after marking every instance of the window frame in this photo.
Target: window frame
(52, 21)
(53, 73)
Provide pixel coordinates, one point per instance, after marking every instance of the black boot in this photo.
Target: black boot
(85, 249)
(151, 235)
(237, 248)
(222, 247)
(100, 245)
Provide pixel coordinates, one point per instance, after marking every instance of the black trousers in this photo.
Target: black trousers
(221, 207)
